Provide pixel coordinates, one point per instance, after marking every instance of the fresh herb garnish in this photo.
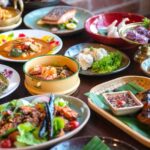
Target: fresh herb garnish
(146, 23)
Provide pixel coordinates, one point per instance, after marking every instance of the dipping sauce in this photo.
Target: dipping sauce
(121, 100)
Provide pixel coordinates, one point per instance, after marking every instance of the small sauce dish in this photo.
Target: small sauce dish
(122, 103)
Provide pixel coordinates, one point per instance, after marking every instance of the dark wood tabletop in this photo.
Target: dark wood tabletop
(96, 125)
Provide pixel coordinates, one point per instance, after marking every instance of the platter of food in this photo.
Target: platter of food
(88, 142)
(105, 27)
(61, 20)
(97, 59)
(22, 45)
(135, 123)
(46, 120)
(9, 80)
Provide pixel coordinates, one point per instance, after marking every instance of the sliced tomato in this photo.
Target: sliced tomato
(6, 143)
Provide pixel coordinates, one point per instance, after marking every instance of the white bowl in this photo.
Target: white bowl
(145, 66)
(123, 110)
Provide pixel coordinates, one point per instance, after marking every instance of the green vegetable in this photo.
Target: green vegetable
(146, 22)
(8, 132)
(96, 144)
(15, 52)
(60, 102)
(108, 63)
(28, 134)
(58, 124)
(62, 26)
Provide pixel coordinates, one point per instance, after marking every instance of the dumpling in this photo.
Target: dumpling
(99, 53)
(113, 32)
(85, 61)
(111, 26)
(122, 23)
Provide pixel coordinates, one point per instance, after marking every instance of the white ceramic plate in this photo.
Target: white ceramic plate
(11, 35)
(13, 79)
(75, 103)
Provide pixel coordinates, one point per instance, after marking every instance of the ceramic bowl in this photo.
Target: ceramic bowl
(145, 66)
(58, 86)
(105, 20)
(15, 13)
(125, 109)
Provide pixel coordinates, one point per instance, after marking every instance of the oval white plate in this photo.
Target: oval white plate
(30, 33)
(75, 103)
(13, 79)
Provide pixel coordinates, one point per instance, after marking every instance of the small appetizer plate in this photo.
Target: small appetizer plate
(10, 27)
(122, 103)
(76, 49)
(74, 103)
(13, 80)
(31, 19)
(79, 142)
(145, 66)
(49, 43)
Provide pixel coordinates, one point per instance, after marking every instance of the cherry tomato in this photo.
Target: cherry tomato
(73, 124)
(21, 35)
(6, 143)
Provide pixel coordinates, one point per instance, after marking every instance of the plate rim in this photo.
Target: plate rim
(59, 33)
(90, 136)
(68, 135)
(18, 83)
(37, 30)
(103, 74)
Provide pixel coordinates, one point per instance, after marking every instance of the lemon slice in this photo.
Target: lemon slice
(71, 26)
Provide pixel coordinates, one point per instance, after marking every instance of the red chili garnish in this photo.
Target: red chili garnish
(57, 42)
(21, 35)
(51, 42)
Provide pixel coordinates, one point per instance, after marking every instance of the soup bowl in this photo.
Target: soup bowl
(66, 85)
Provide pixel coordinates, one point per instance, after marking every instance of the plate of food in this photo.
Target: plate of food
(9, 80)
(22, 45)
(97, 59)
(129, 113)
(99, 143)
(40, 121)
(61, 20)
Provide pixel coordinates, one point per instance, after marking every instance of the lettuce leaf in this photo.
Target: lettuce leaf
(108, 63)
(29, 134)
(58, 124)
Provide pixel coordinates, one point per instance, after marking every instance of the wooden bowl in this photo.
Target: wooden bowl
(57, 86)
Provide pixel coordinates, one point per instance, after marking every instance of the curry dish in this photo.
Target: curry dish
(25, 48)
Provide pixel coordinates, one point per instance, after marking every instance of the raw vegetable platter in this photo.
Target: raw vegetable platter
(127, 123)
(76, 49)
(31, 19)
(29, 135)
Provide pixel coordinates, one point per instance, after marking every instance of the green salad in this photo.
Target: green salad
(25, 123)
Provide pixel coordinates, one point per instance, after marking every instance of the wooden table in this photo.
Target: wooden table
(97, 125)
